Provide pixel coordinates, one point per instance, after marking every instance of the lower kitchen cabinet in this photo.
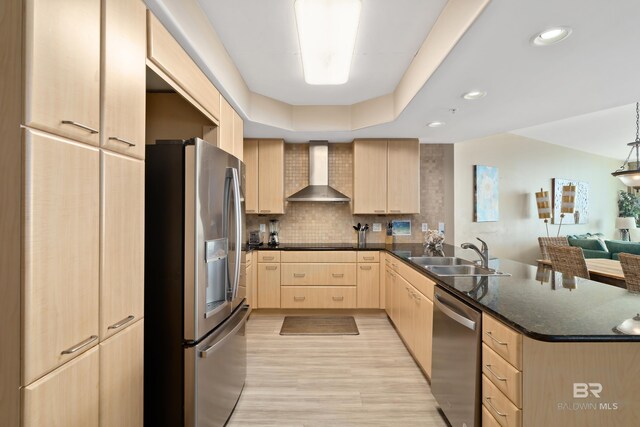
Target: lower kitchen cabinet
(422, 314)
(121, 378)
(318, 297)
(68, 396)
(368, 280)
(269, 285)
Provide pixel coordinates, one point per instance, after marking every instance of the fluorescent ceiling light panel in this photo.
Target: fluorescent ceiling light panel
(327, 32)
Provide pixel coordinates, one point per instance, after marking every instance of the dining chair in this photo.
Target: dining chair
(631, 269)
(545, 242)
(568, 260)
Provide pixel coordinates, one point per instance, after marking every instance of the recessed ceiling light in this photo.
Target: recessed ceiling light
(551, 36)
(327, 32)
(474, 94)
(435, 124)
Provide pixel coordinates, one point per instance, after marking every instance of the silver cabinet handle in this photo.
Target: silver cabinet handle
(124, 141)
(394, 265)
(299, 298)
(337, 274)
(250, 211)
(392, 275)
(490, 335)
(395, 210)
(365, 267)
(368, 258)
(268, 258)
(499, 378)
(265, 210)
(79, 125)
(123, 322)
(80, 345)
(379, 210)
(299, 274)
(338, 298)
(488, 399)
(272, 267)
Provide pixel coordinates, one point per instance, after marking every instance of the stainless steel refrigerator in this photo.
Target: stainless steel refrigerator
(195, 311)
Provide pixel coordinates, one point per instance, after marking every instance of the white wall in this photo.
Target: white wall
(526, 165)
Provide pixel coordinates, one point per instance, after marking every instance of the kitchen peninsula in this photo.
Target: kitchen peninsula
(550, 354)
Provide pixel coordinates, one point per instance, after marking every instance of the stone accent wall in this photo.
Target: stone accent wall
(316, 222)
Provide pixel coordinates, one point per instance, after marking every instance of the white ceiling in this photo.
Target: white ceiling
(595, 69)
(261, 38)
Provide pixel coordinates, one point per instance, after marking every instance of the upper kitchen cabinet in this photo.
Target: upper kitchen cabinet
(123, 76)
(62, 68)
(171, 62)
(403, 176)
(386, 176)
(231, 130)
(369, 176)
(238, 136)
(264, 160)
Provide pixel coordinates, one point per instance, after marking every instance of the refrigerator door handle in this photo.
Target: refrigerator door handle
(212, 348)
(238, 215)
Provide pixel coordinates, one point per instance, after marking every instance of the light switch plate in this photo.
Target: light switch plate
(263, 228)
(425, 226)
(377, 227)
(441, 227)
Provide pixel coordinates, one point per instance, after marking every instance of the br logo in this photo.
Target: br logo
(583, 390)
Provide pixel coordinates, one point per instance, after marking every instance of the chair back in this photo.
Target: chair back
(568, 260)
(631, 269)
(545, 242)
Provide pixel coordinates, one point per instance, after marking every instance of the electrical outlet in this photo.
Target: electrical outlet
(377, 227)
(425, 226)
(441, 227)
(263, 228)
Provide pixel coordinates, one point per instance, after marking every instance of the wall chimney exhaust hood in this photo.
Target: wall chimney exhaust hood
(318, 189)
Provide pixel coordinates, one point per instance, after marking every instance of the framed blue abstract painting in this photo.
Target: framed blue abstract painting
(486, 194)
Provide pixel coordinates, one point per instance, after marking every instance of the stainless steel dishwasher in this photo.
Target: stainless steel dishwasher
(455, 378)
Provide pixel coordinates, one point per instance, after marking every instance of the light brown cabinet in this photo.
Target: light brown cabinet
(225, 132)
(124, 43)
(238, 136)
(386, 176)
(264, 184)
(422, 315)
(68, 396)
(61, 246)
(368, 280)
(268, 285)
(122, 243)
(62, 68)
(121, 378)
(318, 296)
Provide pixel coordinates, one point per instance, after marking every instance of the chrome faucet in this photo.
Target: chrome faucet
(483, 253)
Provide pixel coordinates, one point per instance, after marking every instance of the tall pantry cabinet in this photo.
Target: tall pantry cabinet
(72, 192)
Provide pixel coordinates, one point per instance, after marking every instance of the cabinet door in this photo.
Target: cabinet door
(68, 396)
(403, 193)
(423, 330)
(62, 67)
(251, 176)
(238, 136)
(369, 176)
(249, 284)
(124, 52)
(389, 289)
(368, 280)
(226, 126)
(271, 176)
(122, 243)
(268, 285)
(121, 378)
(61, 252)
(405, 310)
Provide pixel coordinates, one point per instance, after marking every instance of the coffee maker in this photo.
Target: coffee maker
(274, 229)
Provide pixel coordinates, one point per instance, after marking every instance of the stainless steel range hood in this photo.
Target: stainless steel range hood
(318, 189)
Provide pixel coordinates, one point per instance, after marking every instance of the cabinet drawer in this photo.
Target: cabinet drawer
(504, 376)
(268, 256)
(487, 418)
(368, 256)
(318, 297)
(294, 274)
(417, 279)
(498, 405)
(246, 257)
(319, 256)
(503, 340)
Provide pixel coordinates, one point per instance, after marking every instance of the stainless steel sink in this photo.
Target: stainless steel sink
(463, 270)
(427, 260)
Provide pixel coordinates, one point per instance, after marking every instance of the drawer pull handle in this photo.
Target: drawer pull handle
(250, 211)
(365, 267)
(268, 258)
(488, 399)
(378, 210)
(499, 378)
(80, 345)
(79, 125)
(394, 265)
(265, 210)
(338, 298)
(395, 210)
(392, 275)
(490, 335)
(368, 258)
(123, 322)
(337, 274)
(272, 267)
(299, 298)
(124, 141)
(299, 274)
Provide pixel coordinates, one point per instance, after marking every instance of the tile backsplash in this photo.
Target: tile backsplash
(322, 222)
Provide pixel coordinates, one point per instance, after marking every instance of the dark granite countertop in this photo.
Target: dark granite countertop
(321, 247)
(534, 300)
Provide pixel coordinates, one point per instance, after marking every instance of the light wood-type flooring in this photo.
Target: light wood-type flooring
(363, 380)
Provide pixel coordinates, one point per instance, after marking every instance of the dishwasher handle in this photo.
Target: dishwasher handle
(449, 312)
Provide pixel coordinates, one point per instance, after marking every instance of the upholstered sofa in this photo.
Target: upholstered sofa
(594, 246)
